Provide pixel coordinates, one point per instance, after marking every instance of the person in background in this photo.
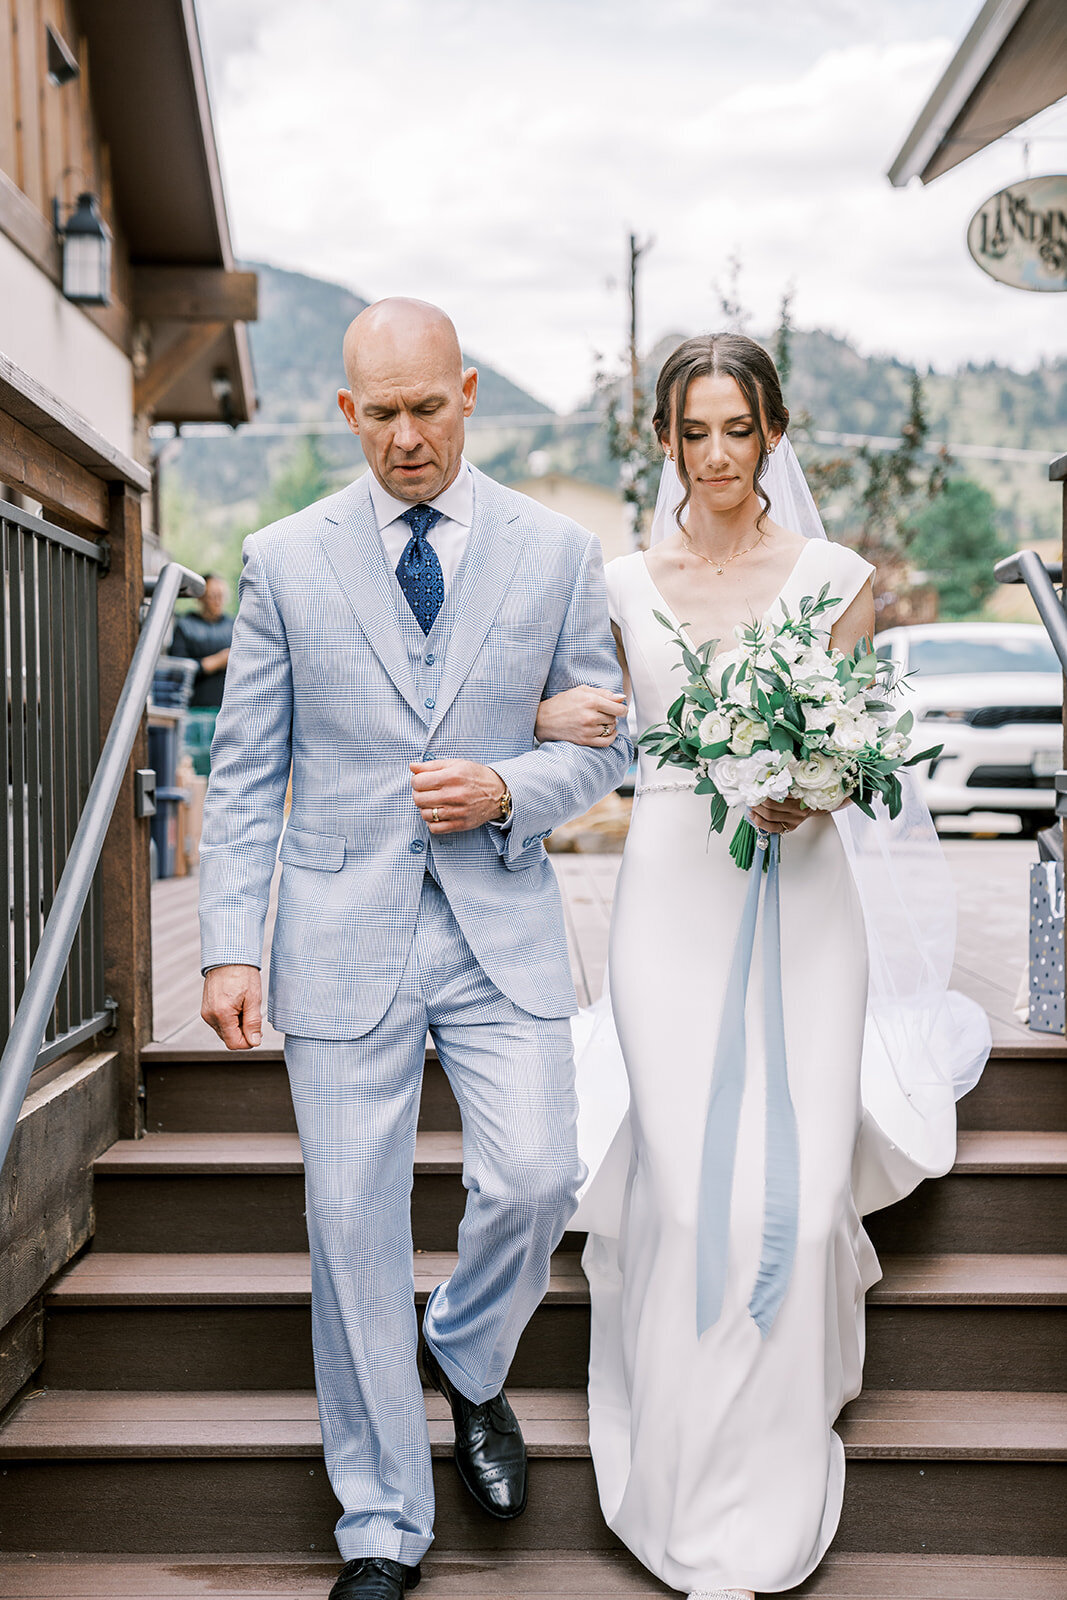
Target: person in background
(204, 636)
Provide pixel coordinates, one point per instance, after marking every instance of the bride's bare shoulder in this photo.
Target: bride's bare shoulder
(783, 539)
(663, 555)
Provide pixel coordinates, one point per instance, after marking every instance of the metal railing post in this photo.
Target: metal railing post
(60, 930)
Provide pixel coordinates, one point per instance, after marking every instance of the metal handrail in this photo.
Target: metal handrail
(1040, 578)
(42, 985)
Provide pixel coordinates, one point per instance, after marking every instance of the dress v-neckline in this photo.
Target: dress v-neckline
(682, 629)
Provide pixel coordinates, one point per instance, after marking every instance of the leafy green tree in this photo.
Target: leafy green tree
(305, 476)
(955, 542)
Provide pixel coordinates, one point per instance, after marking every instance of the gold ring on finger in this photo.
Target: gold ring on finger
(605, 730)
(435, 814)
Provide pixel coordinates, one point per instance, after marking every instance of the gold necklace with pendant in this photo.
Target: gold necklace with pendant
(721, 565)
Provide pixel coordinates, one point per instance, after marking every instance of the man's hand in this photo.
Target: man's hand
(454, 796)
(216, 662)
(232, 1006)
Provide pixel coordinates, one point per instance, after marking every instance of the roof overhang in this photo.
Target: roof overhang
(1011, 65)
(150, 98)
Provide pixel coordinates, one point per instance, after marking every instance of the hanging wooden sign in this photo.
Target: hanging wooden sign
(1019, 236)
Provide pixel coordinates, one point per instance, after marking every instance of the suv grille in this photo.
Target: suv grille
(999, 716)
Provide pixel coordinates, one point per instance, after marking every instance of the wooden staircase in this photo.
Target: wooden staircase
(171, 1444)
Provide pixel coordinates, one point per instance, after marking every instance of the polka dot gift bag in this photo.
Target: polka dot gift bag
(1046, 947)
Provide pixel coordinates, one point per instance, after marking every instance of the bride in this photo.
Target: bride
(715, 1454)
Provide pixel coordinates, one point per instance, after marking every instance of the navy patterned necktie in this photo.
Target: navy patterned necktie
(418, 571)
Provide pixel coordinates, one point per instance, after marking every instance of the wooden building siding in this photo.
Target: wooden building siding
(50, 147)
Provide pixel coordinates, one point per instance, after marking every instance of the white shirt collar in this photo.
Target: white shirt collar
(456, 502)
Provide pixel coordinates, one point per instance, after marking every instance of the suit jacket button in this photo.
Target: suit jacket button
(430, 704)
(526, 843)
(416, 847)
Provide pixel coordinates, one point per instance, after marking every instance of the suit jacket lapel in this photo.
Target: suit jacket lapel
(354, 549)
(481, 583)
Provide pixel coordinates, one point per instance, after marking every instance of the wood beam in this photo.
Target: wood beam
(124, 863)
(70, 492)
(194, 294)
(173, 364)
(30, 230)
(58, 424)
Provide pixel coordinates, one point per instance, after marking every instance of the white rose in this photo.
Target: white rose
(854, 732)
(820, 716)
(714, 728)
(745, 737)
(827, 799)
(817, 772)
(727, 774)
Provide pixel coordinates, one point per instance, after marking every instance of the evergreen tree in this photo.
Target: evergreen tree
(894, 480)
(954, 540)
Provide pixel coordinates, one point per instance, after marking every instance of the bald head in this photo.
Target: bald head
(408, 395)
(395, 332)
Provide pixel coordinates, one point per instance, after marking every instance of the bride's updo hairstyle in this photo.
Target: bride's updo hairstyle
(720, 355)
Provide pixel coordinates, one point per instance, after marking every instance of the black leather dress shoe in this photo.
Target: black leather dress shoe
(374, 1578)
(490, 1452)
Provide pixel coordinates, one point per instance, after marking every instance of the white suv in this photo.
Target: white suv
(992, 694)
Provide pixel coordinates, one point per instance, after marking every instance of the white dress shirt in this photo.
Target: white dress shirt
(448, 537)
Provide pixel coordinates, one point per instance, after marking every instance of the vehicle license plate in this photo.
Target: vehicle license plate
(1045, 763)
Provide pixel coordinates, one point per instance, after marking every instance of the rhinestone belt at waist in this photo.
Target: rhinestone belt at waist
(665, 788)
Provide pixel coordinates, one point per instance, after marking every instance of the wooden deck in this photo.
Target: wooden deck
(991, 878)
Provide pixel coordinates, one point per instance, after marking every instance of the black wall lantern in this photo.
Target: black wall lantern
(86, 245)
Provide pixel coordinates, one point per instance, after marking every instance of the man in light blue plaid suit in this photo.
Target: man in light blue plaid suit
(393, 644)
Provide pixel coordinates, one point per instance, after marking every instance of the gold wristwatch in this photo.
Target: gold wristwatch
(504, 814)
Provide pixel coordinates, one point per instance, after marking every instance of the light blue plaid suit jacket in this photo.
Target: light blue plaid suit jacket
(319, 675)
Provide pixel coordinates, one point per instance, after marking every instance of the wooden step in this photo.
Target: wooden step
(920, 1425)
(127, 1321)
(532, 1576)
(440, 1151)
(1024, 1085)
(189, 1091)
(248, 1092)
(124, 1278)
(973, 1473)
(239, 1191)
(173, 1321)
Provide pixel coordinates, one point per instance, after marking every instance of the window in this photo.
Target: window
(1014, 653)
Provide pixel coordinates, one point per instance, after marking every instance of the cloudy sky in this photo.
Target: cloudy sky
(493, 155)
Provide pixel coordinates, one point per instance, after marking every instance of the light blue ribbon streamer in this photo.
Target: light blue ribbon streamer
(781, 1179)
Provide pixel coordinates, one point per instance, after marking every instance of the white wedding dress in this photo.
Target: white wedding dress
(715, 1457)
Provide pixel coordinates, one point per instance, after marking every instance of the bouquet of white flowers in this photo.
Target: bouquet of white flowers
(781, 716)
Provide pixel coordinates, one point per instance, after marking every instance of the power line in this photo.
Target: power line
(584, 419)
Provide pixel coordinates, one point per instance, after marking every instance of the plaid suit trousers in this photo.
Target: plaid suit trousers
(357, 1105)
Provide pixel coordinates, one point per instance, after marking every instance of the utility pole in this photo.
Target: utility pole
(635, 455)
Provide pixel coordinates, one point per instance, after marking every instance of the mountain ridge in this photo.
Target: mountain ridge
(296, 348)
